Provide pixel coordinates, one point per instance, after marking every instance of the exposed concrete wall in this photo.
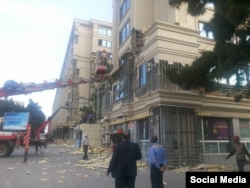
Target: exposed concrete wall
(94, 133)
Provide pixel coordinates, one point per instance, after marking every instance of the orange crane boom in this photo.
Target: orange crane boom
(11, 139)
(11, 87)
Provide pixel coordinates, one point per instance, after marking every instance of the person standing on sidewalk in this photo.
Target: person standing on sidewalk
(85, 143)
(157, 162)
(123, 162)
(240, 151)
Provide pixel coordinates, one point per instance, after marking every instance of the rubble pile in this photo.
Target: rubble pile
(99, 158)
(213, 168)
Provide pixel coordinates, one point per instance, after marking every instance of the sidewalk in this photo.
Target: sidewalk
(60, 166)
(57, 167)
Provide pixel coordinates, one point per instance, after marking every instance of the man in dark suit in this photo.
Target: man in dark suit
(123, 162)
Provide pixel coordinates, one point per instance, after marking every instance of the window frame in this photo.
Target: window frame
(124, 33)
(124, 8)
(105, 31)
(204, 33)
(143, 74)
(104, 43)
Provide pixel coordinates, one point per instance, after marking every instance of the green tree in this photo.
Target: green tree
(88, 113)
(10, 106)
(36, 118)
(230, 57)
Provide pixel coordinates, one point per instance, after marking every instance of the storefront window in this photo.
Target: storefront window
(216, 135)
(217, 147)
(211, 148)
(215, 129)
(244, 128)
(224, 147)
(248, 146)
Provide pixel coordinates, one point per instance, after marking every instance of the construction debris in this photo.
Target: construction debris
(100, 158)
(213, 168)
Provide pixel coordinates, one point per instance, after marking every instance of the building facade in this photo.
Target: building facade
(150, 36)
(87, 42)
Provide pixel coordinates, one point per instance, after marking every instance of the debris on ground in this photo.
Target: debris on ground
(213, 168)
(100, 158)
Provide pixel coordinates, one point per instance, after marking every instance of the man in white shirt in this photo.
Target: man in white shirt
(85, 143)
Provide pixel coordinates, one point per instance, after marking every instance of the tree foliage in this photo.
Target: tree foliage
(10, 106)
(36, 116)
(88, 112)
(230, 57)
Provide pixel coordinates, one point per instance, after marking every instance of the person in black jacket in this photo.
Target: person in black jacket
(122, 165)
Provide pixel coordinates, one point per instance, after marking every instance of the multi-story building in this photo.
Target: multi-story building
(87, 42)
(150, 36)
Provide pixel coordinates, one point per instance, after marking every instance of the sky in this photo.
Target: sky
(33, 39)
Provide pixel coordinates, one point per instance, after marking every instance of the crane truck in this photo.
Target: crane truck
(11, 139)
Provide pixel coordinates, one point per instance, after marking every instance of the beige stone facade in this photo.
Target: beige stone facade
(86, 42)
(145, 102)
(149, 36)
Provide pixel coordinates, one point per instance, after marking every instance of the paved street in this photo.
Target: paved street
(56, 168)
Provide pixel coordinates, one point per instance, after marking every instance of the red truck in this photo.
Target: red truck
(15, 138)
(11, 139)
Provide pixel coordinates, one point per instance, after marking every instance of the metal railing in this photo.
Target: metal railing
(178, 156)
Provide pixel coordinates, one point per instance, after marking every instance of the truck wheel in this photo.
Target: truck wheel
(11, 149)
(4, 150)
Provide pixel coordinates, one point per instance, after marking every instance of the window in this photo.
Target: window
(216, 135)
(216, 129)
(245, 132)
(119, 91)
(211, 148)
(143, 74)
(109, 55)
(125, 33)
(210, 5)
(248, 146)
(124, 8)
(76, 39)
(109, 44)
(105, 31)
(204, 32)
(121, 62)
(104, 43)
(216, 147)
(244, 128)
(242, 81)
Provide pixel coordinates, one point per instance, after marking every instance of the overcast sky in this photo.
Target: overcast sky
(33, 40)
